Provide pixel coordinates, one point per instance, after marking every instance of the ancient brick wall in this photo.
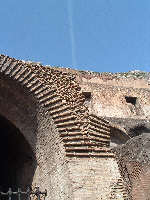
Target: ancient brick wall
(76, 124)
(95, 178)
(133, 159)
(124, 100)
(48, 108)
(72, 121)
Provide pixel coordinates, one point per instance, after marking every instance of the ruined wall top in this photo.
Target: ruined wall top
(135, 78)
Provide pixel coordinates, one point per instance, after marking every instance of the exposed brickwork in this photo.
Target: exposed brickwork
(60, 95)
(70, 133)
(48, 108)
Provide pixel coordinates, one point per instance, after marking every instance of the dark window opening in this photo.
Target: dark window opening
(87, 95)
(131, 100)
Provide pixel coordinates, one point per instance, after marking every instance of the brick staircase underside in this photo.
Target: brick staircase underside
(94, 142)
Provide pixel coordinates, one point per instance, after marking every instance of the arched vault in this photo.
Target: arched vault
(47, 107)
(56, 95)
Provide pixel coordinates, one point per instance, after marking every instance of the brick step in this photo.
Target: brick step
(70, 123)
(100, 119)
(29, 78)
(32, 83)
(18, 74)
(7, 67)
(81, 138)
(96, 130)
(99, 135)
(3, 60)
(13, 68)
(99, 122)
(15, 71)
(22, 74)
(36, 87)
(62, 113)
(52, 102)
(5, 63)
(40, 90)
(82, 142)
(99, 126)
(71, 129)
(98, 138)
(91, 154)
(48, 99)
(65, 119)
(85, 143)
(59, 107)
(71, 134)
(46, 93)
(87, 148)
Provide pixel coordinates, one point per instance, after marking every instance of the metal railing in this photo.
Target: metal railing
(29, 194)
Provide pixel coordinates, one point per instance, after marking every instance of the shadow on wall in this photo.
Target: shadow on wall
(18, 162)
(138, 130)
(117, 137)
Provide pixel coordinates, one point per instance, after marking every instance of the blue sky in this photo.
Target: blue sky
(95, 35)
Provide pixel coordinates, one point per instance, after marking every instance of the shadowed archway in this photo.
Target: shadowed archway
(17, 161)
(117, 136)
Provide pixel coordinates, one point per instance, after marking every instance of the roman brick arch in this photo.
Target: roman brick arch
(42, 117)
(47, 108)
(56, 93)
(58, 96)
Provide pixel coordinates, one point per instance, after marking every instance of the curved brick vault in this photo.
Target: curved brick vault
(48, 108)
(60, 96)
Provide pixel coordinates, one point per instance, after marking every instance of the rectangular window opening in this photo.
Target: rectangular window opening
(87, 95)
(131, 100)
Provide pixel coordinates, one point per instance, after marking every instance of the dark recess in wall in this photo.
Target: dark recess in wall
(131, 100)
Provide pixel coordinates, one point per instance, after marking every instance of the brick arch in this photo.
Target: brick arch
(48, 92)
(64, 126)
(56, 116)
(19, 108)
(58, 95)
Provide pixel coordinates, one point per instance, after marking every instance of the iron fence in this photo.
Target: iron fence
(29, 194)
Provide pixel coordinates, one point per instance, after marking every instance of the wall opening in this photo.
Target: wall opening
(131, 100)
(117, 137)
(87, 95)
(18, 162)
